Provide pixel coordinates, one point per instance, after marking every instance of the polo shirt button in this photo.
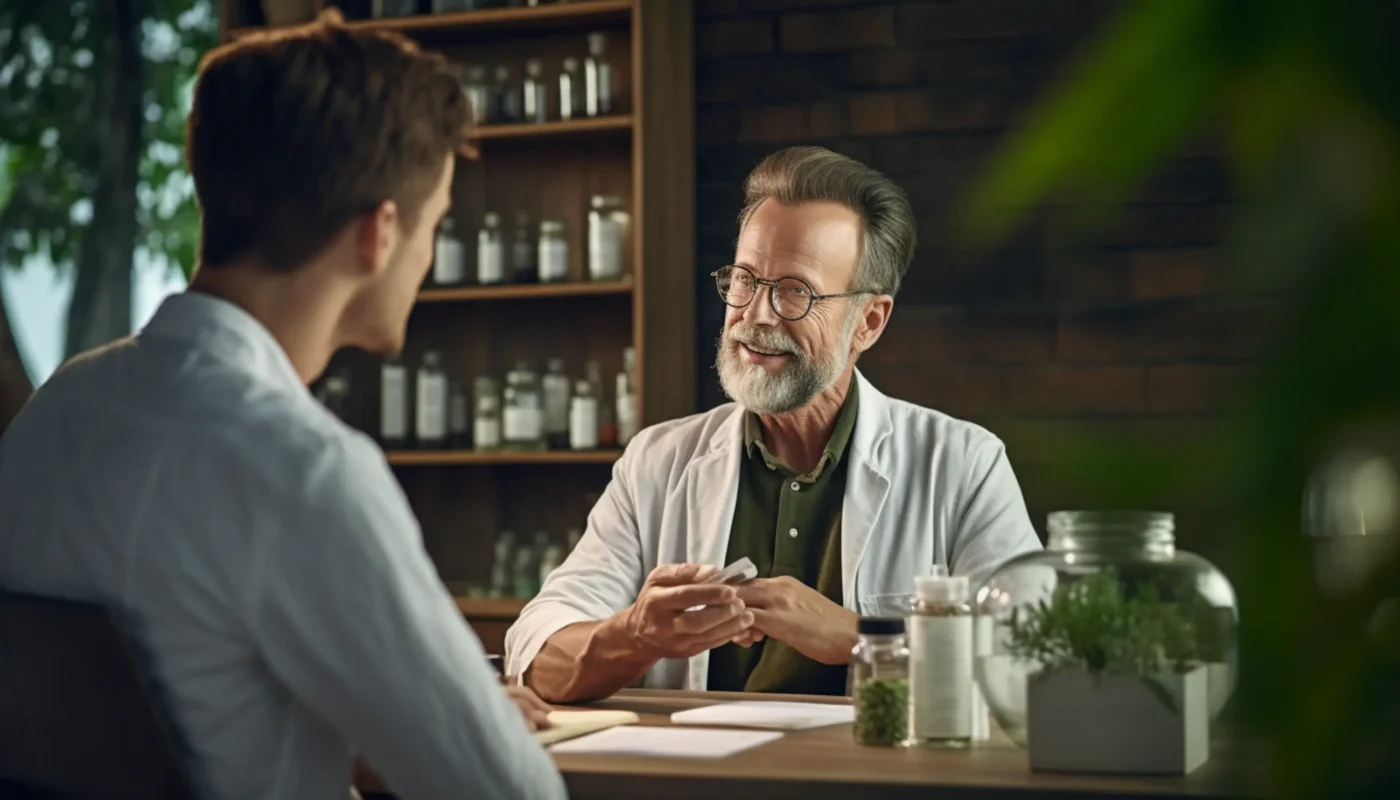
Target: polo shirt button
(796, 487)
(792, 532)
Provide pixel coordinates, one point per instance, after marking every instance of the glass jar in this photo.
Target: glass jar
(1109, 595)
(522, 251)
(554, 252)
(880, 682)
(478, 91)
(571, 95)
(490, 255)
(523, 410)
(536, 92)
(608, 223)
(486, 422)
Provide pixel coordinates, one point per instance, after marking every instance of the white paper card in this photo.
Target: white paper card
(765, 714)
(634, 740)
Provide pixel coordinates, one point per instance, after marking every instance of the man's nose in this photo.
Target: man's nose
(760, 311)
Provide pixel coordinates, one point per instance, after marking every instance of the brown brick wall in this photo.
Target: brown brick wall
(1137, 336)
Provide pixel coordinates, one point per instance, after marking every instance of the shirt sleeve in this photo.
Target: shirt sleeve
(351, 616)
(601, 577)
(994, 525)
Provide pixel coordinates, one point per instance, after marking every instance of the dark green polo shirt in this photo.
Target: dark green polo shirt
(787, 524)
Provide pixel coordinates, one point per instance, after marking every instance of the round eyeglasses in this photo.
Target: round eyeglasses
(791, 298)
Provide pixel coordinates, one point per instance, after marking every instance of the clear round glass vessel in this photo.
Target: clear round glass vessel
(1110, 593)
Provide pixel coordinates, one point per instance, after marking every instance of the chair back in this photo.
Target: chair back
(78, 718)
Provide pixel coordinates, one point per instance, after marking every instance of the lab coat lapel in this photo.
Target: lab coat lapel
(711, 487)
(867, 484)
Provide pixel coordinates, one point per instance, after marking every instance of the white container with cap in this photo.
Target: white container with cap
(942, 691)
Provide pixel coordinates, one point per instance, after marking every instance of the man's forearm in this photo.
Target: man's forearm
(587, 661)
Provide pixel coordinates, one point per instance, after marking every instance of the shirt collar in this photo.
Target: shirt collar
(835, 446)
(226, 331)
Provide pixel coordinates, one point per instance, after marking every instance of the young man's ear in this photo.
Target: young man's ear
(376, 235)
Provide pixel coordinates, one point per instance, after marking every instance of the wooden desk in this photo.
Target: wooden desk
(825, 764)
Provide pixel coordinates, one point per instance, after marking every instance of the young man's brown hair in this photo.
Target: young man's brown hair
(295, 133)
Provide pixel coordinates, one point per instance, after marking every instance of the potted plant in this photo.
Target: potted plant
(1120, 685)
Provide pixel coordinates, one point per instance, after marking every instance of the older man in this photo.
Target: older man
(840, 495)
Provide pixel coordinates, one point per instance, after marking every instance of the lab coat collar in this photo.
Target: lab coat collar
(711, 486)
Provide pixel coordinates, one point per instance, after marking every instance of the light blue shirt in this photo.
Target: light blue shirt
(267, 561)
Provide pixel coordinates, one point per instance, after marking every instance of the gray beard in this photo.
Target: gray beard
(792, 387)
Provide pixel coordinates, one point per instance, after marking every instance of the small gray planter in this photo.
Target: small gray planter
(1081, 722)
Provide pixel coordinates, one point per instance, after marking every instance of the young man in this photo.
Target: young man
(840, 495)
(259, 550)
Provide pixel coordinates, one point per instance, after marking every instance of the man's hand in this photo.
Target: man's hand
(794, 613)
(535, 710)
(659, 623)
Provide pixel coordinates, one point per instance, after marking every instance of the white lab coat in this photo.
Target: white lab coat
(922, 488)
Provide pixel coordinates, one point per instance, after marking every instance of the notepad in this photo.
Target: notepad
(765, 714)
(572, 724)
(634, 740)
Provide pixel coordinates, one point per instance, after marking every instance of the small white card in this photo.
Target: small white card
(634, 740)
(765, 714)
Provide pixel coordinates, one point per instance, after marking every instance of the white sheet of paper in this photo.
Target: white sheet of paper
(635, 740)
(765, 714)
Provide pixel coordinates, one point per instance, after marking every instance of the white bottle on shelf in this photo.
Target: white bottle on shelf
(393, 403)
(430, 421)
(627, 397)
(597, 77)
(583, 418)
(449, 256)
(490, 252)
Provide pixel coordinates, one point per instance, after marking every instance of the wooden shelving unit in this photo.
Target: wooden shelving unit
(523, 291)
(438, 458)
(559, 129)
(644, 152)
(489, 608)
(493, 20)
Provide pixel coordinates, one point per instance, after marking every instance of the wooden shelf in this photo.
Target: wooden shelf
(557, 128)
(420, 458)
(524, 291)
(491, 20)
(490, 608)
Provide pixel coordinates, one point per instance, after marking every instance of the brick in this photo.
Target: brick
(886, 67)
(717, 8)
(1076, 390)
(728, 80)
(735, 37)
(1170, 331)
(874, 114)
(834, 31)
(970, 393)
(963, 392)
(773, 123)
(1010, 338)
(826, 120)
(1166, 227)
(1085, 281)
(917, 336)
(793, 5)
(1192, 388)
(1164, 274)
(716, 124)
(793, 78)
(952, 20)
(957, 110)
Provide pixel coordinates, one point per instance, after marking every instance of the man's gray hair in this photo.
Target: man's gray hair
(814, 174)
